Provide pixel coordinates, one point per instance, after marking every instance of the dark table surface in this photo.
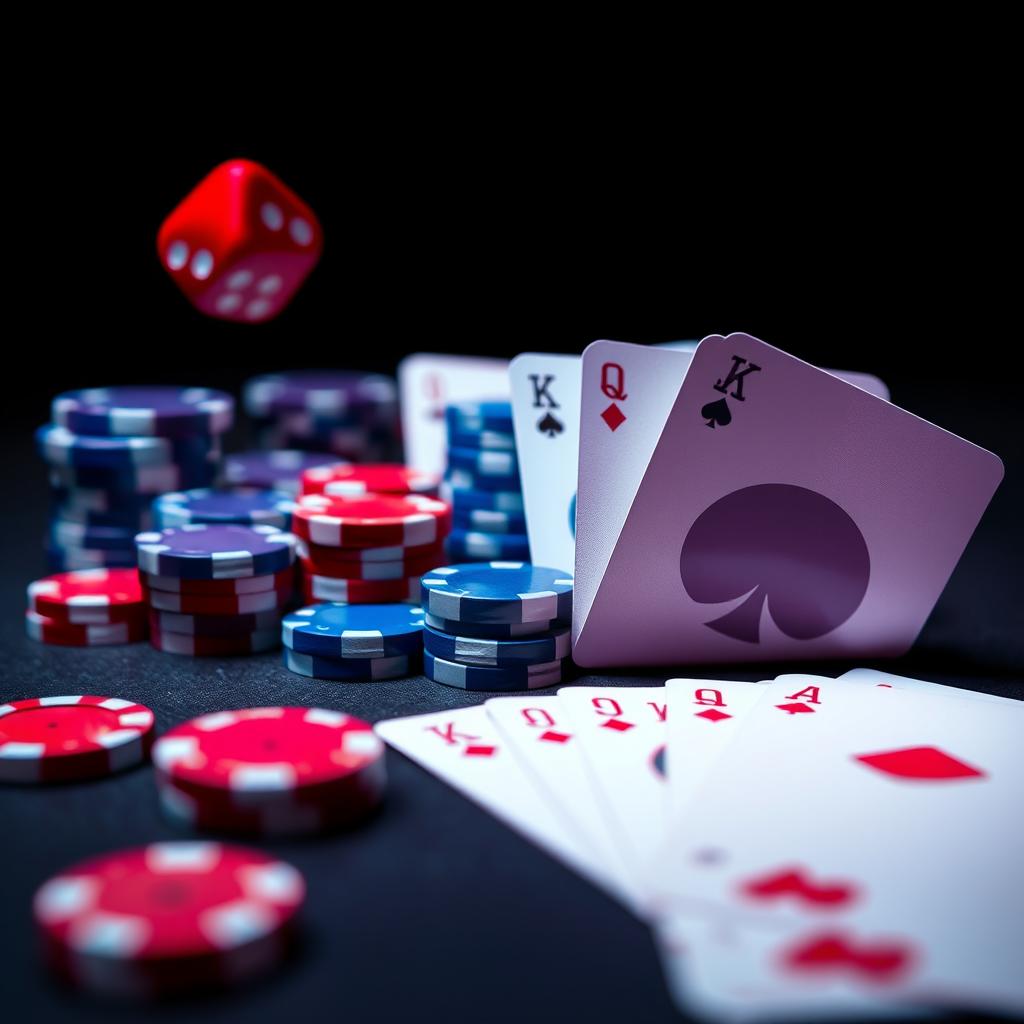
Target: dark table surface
(433, 909)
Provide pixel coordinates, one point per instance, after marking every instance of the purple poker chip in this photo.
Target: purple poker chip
(214, 551)
(331, 393)
(274, 470)
(206, 505)
(144, 411)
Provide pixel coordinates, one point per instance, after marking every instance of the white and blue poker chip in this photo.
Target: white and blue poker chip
(60, 447)
(474, 417)
(469, 480)
(468, 650)
(491, 630)
(484, 462)
(467, 499)
(144, 411)
(207, 505)
(215, 551)
(494, 680)
(133, 481)
(497, 592)
(489, 440)
(67, 534)
(488, 520)
(470, 545)
(351, 670)
(358, 631)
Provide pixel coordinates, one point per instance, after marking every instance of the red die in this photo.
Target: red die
(241, 243)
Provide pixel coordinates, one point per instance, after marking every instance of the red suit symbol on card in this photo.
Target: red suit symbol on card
(795, 709)
(921, 763)
(551, 736)
(613, 386)
(796, 883)
(711, 715)
(614, 417)
(878, 962)
(479, 750)
(617, 724)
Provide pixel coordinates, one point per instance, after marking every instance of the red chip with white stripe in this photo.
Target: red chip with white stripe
(168, 918)
(61, 739)
(88, 596)
(373, 520)
(64, 634)
(368, 478)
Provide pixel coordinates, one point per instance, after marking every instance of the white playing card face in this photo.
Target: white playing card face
(877, 678)
(626, 394)
(546, 411)
(427, 383)
(547, 744)
(464, 749)
(623, 735)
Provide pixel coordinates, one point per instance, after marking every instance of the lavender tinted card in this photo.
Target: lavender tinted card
(784, 514)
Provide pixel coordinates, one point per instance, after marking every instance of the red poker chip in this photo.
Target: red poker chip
(417, 566)
(375, 520)
(325, 555)
(50, 631)
(60, 739)
(368, 478)
(220, 588)
(332, 588)
(221, 604)
(88, 596)
(168, 918)
(206, 646)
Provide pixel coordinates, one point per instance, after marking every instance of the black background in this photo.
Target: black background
(486, 243)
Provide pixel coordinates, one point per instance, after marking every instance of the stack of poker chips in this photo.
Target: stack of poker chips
(270, 771)
(368, 548)
(349, 414)
(110, 450)
(216, 588)
(353, 642)
(87, 608)
(482, 483)
(277, 470)
(206, 505)
(497, 627)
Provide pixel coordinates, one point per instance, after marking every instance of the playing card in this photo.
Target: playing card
(783, 513)
(874, 677)
(540, 733)
(464, 749)
(427, 383)
(546, 411)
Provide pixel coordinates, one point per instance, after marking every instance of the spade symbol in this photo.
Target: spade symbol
(550, 426)
(717, 414)
(781, 545)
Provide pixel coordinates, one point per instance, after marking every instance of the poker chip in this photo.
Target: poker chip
(326, 392)
(487, 520)
(331, 588)
(88, 596)
(493, 592)
(190, 603)
(278, 470)
(349, 570)
(468, 499)
(215, 551)
(65, 534)
(144, 411)
(74, 559)
(547, 647)
(131, 518)
(350, 669)
(371, 520)
(475, 417)
(504, 679)
(485, 462)
(473, 544)
(360, 631)
(491, 630)
(60, 447)
(65, 634)
(213, 625)
(379, 478)
(322, 554)
(490, 440)
(133, 481)
(464, 479)
(207, 646)
(204, 505)
(61, 739)
(168, 918)
(221, 588)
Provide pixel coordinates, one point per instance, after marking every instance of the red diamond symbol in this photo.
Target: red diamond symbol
(613, 416)
(711, 715)
(555, 737)
(920, 763)
(795, 709)
(617, 724)
(480, 750)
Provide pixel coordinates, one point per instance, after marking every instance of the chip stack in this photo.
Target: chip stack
(277, 470)
(354, 642)
(110, 450)
(497, 627)
(368, 548)
(246, 507)
(216, 588)
(482, 484)
(349, 414)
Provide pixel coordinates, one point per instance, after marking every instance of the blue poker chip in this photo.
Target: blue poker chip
(475, 545)
(354, 630)
(144, 411)
(491, 630)
(464, 499)
(71, 535)
(215, 551)
(466, 479)
(477, 416)
(134, 481)
(70, 559)
(490, 592)
(205, 505)
(351, 670)
(494, 680)
(484, 462)
(485, 440)
(60, 447)
(321, 392)
(488, 520)
(470, 650)
(277, 470)
(128, 517)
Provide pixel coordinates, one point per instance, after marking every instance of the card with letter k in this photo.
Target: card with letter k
(784, 513)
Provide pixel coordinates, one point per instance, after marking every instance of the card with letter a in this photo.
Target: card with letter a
(783, 513)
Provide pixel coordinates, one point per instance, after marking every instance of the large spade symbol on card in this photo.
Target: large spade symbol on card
(779, 544)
